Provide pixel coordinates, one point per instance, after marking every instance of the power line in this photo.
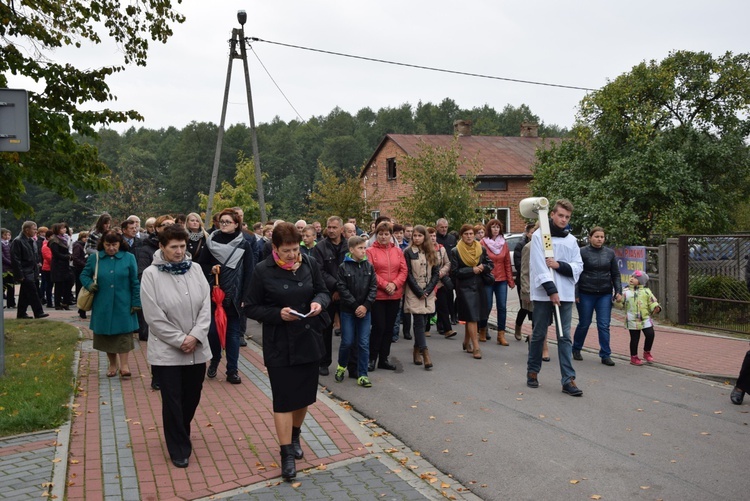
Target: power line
(429, 68)
(277, 85)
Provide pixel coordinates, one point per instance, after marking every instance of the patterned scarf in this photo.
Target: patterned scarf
(495, 245)
(287, 266)
(470, 254)
(175, 268)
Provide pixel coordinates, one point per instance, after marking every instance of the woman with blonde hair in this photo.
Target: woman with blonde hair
(470, 268)
(423, 267)
(197, 234)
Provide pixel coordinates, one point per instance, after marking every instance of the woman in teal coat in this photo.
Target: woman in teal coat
(118, 297)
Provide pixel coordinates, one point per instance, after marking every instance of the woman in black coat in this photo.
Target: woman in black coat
(230, 256)
(60, 272)
(288, 295)
(470, 268)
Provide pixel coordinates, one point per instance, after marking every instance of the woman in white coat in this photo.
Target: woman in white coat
(176, 303)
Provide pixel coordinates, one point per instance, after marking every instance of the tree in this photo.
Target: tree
(242, 194)
(439, 189)
(337, 196)
(134, 186)
(56, 160)
(660, 150)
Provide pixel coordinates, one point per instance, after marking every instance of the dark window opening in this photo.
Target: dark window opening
(492, 185)
(390, 167)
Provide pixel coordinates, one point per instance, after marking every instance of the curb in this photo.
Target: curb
(60, 467)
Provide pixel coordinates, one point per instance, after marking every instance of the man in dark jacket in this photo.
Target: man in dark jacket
(330, 253)
(25, 263)
(449, 242)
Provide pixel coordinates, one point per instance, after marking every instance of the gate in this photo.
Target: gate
(713, 282)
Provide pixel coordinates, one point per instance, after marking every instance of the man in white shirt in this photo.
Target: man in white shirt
(553, 282)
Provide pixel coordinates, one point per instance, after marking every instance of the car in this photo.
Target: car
(511, 240)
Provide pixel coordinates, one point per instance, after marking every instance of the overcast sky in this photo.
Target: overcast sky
(576, 42)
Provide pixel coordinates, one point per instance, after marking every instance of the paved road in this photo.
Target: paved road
(638, 432)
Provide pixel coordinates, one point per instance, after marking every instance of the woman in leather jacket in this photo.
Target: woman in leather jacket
(600, 277)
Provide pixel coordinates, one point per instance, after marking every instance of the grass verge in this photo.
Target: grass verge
(38, 381)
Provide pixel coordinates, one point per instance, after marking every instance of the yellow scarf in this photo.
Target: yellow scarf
(469, 254)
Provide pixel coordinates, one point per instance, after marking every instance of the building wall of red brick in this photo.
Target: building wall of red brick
(384, 195)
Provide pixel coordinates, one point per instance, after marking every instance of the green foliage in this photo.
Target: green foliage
(718, 286)
(57, 161)
(335, 195)
(38, 379)
(177, 163)
(734, 313)
(242, 194)
(439, 190)
(659, 150)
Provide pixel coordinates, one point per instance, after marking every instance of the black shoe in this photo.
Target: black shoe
(82, 314)
(211, 373)
(571, 389)
(608, 361)
(234, 378)
(577, 355)
(545, 359)
(454, 321)
(407, 336)
(323, 371)
(385, 364)
(43, 315)
(180, 463)
(371, 366)
(337, 332)
(298, 452)
(288, 468)
(737, 396)
(155, 385)
(531, 380)
(243, 342)
(23, 317)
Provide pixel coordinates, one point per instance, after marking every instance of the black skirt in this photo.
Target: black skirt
(293, 387)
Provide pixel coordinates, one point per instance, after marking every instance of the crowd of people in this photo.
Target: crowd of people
(306, 283)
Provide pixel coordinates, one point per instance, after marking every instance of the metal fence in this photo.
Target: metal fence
(713, 281)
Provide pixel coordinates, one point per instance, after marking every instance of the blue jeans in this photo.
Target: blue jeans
(543, 312)
(353, 330)
(234, 328)
(587, 305)
(500, 291)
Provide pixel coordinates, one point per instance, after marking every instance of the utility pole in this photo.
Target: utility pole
(238, 38)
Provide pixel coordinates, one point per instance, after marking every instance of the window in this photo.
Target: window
(492, 185)
(390, 167)
(501, 214)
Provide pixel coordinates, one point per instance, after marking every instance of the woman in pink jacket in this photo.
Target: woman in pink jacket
(499, 254)
(390, 272)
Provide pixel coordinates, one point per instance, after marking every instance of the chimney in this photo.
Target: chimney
(462, 128)
(529, 129)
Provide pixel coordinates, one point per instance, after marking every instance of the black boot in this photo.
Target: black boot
(298, 453)
(288, 468)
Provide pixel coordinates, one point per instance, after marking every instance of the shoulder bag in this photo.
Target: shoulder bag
(86, 297)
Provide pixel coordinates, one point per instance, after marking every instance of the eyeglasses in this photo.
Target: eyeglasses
(225, 222)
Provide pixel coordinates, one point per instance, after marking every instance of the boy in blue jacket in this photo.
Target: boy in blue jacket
(357, 287)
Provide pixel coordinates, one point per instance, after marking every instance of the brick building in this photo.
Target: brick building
(502, 182)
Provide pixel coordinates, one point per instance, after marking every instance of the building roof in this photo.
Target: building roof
(499, 155)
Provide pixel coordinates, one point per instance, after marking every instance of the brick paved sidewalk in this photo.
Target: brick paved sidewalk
(115, 447)
(692, 352)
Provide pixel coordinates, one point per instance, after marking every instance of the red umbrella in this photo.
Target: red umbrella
(220, 316)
